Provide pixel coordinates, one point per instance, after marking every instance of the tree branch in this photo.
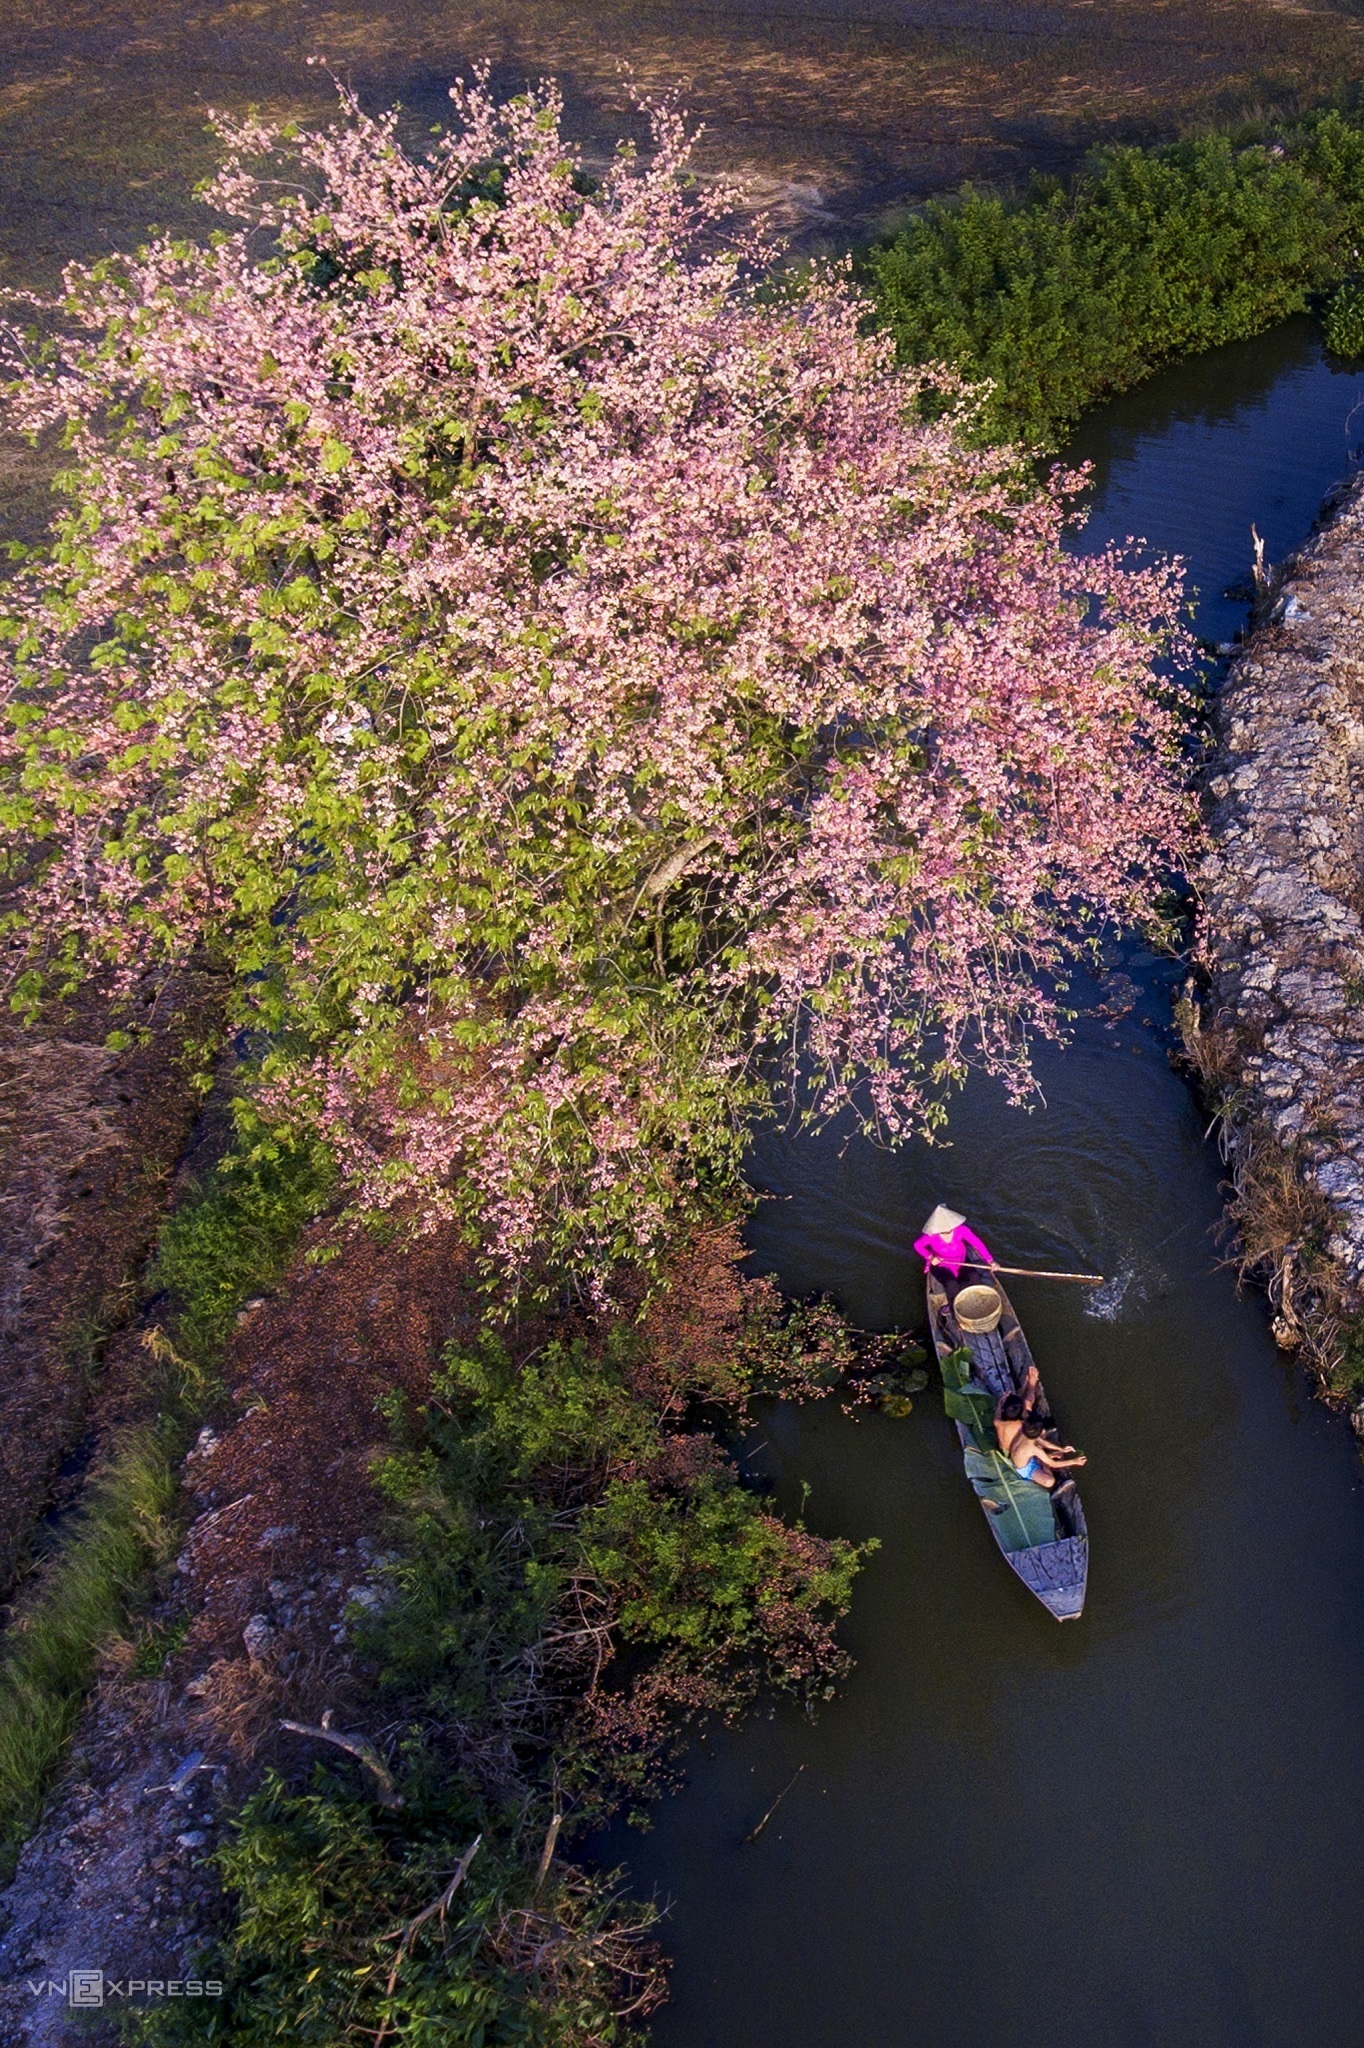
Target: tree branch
(358, 1746)
(405, 1936)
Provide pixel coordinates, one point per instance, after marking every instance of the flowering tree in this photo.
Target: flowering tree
(563, 679)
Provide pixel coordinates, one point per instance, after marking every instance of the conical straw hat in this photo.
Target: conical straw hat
(942, 1221)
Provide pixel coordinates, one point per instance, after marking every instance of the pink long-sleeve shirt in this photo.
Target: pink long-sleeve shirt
(953, 1250)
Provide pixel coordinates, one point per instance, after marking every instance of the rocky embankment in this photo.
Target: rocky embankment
(1279, 1034)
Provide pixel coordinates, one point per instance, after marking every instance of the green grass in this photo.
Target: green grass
(1343, 320)
(235, 1238)
(231, 1239)
(1070, 293)
(120, 1533)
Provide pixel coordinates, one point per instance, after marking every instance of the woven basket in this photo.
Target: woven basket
(977, 1309)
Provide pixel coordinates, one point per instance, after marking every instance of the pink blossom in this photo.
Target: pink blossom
(563, 686)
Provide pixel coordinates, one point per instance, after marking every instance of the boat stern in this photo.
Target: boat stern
(1057, 1574)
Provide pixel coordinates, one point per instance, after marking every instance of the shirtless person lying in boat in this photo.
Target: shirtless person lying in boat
(1018, 1432)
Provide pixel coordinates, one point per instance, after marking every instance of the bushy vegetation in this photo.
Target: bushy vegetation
(1343, 320)
(227, 1241)
(576, 1572)
(1067, 294)
(236, 1234)
(566, 687)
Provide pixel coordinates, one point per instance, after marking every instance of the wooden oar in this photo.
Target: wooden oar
(1036, 1273)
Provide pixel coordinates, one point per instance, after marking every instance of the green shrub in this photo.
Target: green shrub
(319, 1955)
(573, 1573)
(1067, 295)
(235, 1237)
(531, 1485)
(1343, 320)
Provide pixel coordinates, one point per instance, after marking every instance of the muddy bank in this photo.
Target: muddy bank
(1280, 1032)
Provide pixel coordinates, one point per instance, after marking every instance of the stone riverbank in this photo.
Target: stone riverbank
(1279, 1032)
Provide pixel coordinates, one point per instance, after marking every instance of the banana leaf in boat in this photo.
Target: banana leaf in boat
(1021, 1510)
(974, 1405)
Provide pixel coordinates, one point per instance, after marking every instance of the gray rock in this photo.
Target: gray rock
(258, 1635)
(181, 1783)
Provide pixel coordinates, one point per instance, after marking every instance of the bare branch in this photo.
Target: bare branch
(753, 1836)
(358, 1746)
(671, 870)
(547, 1853)
(406, 1935)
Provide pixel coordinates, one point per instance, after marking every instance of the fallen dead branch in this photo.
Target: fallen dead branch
(358, 1746)
(753, 1835)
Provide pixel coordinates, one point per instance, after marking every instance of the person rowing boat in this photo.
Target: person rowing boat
(946, 1244)
(948, 1239)
(949, 1242)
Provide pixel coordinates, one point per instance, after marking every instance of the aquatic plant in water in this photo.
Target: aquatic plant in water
(564, 681)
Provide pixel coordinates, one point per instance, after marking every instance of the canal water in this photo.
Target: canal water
(1145, 1830)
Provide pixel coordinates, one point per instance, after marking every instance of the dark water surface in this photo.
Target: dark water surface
(1250, 435)
(1145, 1830)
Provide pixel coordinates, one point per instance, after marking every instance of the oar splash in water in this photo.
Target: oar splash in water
(1106, 1303)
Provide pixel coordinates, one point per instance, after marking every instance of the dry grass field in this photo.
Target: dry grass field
(836, 114)
(835, 110)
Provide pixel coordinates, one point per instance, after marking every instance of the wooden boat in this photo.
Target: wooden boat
(1043, 1538)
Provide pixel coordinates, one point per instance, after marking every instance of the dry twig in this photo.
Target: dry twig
(406, 1935)
(772, 1808)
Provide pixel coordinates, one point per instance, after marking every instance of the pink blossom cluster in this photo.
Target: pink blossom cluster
(564, 674)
